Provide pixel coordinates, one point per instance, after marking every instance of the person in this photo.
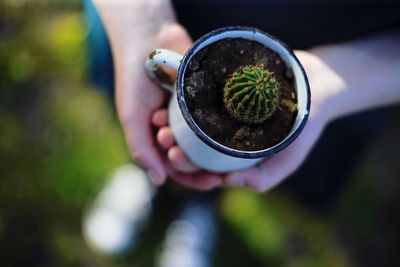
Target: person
(358, 73)
(350, 53)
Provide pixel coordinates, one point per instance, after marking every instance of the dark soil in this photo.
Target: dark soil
(204, 82)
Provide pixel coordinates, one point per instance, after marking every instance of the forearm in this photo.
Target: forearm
(365, 73)
(134, 24)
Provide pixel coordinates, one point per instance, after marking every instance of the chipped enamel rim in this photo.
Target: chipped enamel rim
(301, 85)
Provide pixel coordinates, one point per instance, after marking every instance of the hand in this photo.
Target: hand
(179, 168)
(136, 28)
(324, 85)
(137, 102)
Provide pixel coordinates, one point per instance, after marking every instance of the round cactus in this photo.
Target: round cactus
(251, 94)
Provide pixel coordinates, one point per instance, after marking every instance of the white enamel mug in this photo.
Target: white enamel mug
(198, 146)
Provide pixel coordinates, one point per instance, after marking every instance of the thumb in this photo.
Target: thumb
(175, 37)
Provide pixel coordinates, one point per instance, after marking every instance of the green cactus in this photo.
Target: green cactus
(251, 94)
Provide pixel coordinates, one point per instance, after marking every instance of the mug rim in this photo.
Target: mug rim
(207, 139)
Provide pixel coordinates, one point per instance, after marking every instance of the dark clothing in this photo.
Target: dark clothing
(299, 23)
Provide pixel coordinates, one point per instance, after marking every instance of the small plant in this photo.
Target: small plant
(251, 94)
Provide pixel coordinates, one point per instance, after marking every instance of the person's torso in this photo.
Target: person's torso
(300, 23)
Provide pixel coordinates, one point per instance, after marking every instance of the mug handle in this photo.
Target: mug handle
(163, 57)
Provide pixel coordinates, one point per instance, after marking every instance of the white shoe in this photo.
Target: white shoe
(119, 212)
(190, 240)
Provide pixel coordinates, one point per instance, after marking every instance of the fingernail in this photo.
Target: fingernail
(235, 180)
(155, 177)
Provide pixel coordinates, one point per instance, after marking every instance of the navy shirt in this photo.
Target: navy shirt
(299, 23)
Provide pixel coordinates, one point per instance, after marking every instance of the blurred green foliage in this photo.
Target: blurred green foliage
(59, 139)
(70, 134)
(281, 232)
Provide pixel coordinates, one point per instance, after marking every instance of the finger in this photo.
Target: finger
(160, 118)
(179, 160)
(136, 99)
(202, 180)
(139, 138)
(171, 33)
(174, 37)
(165, 137)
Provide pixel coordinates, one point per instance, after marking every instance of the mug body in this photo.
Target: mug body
(198, 146)
(200, 153)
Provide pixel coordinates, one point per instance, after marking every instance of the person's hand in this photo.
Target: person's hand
(137, 101)
(179, 168)
(324, 82)
(136, 28)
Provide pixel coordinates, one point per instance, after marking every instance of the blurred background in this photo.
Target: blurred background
(60, 140)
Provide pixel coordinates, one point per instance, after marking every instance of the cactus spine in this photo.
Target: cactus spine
(251, 94)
